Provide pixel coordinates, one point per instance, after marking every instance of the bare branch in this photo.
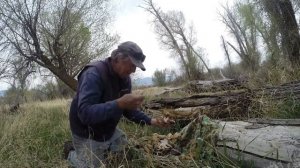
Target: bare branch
(61, 36)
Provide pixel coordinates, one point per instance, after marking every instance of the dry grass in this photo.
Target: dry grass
(34, 136)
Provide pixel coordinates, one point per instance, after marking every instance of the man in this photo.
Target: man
(103, 97)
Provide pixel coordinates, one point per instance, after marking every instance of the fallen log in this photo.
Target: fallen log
(200, 99)
(230, 104)
(287, 90)
(224, 104)
(214, 86)
(291, 122)
(261, 142)
(264, 146)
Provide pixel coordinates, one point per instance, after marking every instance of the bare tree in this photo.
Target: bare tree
(4, 68)
(61, 36)
(172, 33)
(224, 44)
(240, 22)
(21, 70)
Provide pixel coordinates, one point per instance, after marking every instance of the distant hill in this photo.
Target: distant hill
(147, 81)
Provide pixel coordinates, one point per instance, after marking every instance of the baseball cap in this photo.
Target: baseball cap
(134, 52)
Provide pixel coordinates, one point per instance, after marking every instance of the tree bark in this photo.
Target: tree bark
(282, 11)
(263, 146)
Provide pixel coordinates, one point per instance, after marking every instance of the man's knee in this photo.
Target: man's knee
(119, 144)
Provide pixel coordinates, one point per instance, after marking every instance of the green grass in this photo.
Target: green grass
(287, 109)
(265, 107)
(34, 137)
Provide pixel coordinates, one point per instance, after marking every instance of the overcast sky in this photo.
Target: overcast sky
(132, 23)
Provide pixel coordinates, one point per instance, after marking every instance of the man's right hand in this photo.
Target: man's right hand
(130, 101)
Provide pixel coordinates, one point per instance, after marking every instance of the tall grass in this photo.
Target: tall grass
(34, 137)
(285, 109)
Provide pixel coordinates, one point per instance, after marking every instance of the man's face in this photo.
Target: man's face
(125, 67)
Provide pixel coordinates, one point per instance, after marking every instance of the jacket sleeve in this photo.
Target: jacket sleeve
(90, 90)
(137, 117)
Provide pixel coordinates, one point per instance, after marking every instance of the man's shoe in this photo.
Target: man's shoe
(68, 146)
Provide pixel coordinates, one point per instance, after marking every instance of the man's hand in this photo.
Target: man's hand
(162, 122)
(130, 101)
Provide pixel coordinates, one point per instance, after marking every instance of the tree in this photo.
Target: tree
(61, 36)
(20, 72)
(4, 68)
(159, 77)
(269, 32)
(172, 33)
(283, 14)
(240, 20)
(225, 47)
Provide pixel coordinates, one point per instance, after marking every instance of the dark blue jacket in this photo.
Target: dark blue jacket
(94, 112)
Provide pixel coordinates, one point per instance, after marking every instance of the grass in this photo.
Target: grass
(34, 137)
(287, 109)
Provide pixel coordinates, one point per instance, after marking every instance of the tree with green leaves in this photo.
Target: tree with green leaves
(159, 77)
(266, 27)
(60, 36)
(240, 20)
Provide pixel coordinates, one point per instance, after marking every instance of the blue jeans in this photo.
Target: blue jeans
(91, 153)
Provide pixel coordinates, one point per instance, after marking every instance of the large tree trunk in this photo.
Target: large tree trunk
(290, 32)
(59, 72)
(67, 79)
(282, 11)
